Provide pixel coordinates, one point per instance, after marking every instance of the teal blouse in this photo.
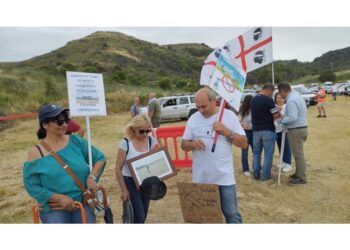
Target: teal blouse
(44, 176)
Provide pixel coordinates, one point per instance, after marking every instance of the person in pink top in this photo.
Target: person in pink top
(321, 101)
(74, 127)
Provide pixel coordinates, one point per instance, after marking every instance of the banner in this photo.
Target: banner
(228, 80)
(251, 50)
(86, 94)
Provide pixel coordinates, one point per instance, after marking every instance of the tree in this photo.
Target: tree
(327, 76)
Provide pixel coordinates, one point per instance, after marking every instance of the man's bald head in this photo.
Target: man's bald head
(151, 95)
(205, 102)
(205, 93)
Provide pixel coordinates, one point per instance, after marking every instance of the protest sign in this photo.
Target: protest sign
(86, 94)
(200, 203)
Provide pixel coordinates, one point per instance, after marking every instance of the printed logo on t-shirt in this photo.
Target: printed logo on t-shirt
(203, 132)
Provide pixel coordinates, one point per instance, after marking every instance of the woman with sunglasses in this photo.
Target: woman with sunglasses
(137, 142)
(44, 178)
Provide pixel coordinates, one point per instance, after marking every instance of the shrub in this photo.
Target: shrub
(51, 91)
(180, 84)
(164, 83)
(132, 79)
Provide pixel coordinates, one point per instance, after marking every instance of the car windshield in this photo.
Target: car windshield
(160, 101)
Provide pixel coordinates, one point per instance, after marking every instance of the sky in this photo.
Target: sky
(301, 43)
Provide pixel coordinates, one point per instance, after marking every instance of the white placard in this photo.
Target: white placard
(86, 94)
(228, 80)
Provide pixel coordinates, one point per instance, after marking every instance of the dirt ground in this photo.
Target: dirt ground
(324, 199)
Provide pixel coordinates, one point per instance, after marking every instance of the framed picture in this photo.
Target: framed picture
(154, 163)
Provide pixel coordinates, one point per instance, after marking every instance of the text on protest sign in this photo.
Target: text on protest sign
(86, 94)
(200, 203)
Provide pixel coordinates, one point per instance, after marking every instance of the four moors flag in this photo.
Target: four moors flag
(253, 49)
(246, 53)
(225, 68)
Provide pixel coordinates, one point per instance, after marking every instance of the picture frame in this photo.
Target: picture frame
(154, 163)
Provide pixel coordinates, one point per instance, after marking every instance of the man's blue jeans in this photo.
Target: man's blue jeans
(61, 216)
(229, 206)
(244, 155)
(139, 202)
(263, 140)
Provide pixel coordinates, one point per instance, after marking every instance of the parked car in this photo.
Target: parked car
(313, 89)
(248, 92)
(328, 87)
(341, 87)
(309, 97)
(347, 92)
(175, 107)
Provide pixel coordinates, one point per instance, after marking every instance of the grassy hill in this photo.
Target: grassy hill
(131, 66)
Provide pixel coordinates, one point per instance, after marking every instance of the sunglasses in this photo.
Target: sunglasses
(143, 131)
(60, 121)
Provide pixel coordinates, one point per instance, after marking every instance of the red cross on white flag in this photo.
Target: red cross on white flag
(253, 49)
(250, 51)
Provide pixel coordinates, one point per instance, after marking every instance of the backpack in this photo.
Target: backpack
(127, 144)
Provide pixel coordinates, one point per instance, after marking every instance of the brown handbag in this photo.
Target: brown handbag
(97, 201)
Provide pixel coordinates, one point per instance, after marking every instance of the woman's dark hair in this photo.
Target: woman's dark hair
(41, 134)
(244, 108)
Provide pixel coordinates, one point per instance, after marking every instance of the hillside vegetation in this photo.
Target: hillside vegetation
(131, 66)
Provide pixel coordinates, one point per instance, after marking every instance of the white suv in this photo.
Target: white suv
(309, 97)
(175, 107)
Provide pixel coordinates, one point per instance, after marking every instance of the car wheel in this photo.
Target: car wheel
(191, 113)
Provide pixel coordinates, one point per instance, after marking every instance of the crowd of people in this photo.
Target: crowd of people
(260, 123)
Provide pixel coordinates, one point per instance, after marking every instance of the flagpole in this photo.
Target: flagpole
(221, 112)
(283, 142)
(87, 119)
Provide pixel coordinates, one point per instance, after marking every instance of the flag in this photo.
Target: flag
(251, 50)
(228, 80)
(209, 67)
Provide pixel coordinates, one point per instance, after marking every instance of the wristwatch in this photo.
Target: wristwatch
(92, 177)
(230, 137)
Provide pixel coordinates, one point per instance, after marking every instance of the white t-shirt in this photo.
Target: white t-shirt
(133, 153)
(208, 167)
(247, 120)
(278, 121)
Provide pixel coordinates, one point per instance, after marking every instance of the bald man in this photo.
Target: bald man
(154, 112)
(214, 168)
